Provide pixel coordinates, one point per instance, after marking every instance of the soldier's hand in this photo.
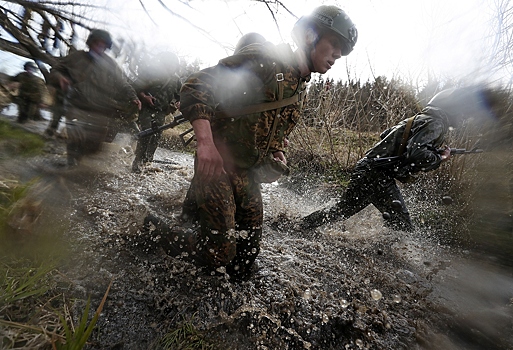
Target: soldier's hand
(64, 83)
(279, 156)
(138, 103)
(210, 162)
(446, 154)
(147, 98)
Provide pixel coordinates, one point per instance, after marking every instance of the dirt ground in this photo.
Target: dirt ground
(351, 285)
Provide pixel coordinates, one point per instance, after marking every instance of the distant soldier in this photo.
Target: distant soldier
(96, 95)
(158, 86)
(415, 144)
(30, 95)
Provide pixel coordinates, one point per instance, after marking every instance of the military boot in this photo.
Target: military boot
(175, 241)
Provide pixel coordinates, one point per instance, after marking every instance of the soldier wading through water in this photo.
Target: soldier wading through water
(158, 87)
(30, 95)
(242, 110)
(97, 95)
(415, 144)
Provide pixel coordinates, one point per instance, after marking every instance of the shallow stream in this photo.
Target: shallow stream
(351, 285)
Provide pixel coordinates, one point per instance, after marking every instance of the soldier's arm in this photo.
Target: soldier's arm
(422, 148)
(210, 162)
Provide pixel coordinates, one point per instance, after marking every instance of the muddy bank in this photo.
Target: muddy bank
(352, 285)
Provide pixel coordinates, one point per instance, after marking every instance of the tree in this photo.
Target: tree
(501, 54)
(43, 30)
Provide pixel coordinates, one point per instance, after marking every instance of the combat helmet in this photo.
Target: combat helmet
(327, 18)
(99, 34)
(29, 65)
(247, 39)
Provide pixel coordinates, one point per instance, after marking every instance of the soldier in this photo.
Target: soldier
(413, 145)
(58, 112)
(158, 87)
(30, 96)
(247, 39)
(97, 94)
(242, 110)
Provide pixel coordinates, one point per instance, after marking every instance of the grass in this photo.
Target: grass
(77, 337)
(30, 251)
(185, 337)
(17, 142)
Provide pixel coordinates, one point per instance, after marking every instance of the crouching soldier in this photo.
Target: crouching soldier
(415, 144)
(242, 110)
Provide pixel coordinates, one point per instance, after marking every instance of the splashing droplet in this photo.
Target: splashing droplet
(307, 294)
(376, 294)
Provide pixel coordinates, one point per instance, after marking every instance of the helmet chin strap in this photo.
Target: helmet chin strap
(308, 53)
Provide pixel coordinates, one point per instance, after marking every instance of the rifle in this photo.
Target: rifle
(463, 151)
(177, 120)
(392, 161)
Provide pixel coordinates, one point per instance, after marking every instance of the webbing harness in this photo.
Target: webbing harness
(406, 135)
(266, 106)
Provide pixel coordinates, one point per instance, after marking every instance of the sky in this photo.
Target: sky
(397, 38)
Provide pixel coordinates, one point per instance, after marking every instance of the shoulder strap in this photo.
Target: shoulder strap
(406, 135)
(261, 107)
(279, 80)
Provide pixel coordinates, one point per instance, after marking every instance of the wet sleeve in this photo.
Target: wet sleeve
(197, 99)
(422, 148)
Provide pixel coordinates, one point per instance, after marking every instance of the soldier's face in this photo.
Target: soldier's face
(98, 47)
(326, 52)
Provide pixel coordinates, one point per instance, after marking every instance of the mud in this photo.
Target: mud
(351, 285)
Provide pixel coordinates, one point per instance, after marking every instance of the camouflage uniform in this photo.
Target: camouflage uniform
(373, 181)
(166, 91)
(98, 95)
(230, 210)
(30, 95)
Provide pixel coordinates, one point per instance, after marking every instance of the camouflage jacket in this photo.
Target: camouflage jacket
(245, 79)
(426, 136)
(98, 84)
(31, 87)
(166, 91)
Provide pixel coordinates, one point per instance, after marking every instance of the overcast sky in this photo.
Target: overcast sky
(396, 37)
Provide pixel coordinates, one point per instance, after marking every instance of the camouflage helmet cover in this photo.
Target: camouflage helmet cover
(331, 18)
(99, 34)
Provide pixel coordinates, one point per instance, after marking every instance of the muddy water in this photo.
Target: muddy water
(351, 285)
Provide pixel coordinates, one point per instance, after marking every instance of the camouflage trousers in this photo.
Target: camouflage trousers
(86, 133)
(28, 110)
(146, 146)
(368, 185)
(228, 214)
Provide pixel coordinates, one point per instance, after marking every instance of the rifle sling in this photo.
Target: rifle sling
(258, 108)
(406, 135)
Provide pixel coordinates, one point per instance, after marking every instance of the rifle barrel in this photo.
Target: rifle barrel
(179, 119)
